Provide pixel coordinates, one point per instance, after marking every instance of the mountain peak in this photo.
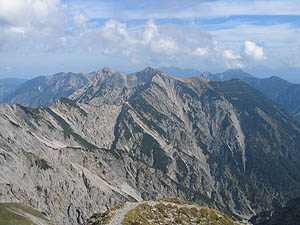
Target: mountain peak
(149, 70)
(105, 71)
(146, 74)
(235, 74)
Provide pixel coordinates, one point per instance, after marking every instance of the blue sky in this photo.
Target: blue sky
(42, 37)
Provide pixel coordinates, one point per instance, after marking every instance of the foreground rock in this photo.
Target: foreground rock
(165, 211)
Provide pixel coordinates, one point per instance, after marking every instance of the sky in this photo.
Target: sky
(42, 37)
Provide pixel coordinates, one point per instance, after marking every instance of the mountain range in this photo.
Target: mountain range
(284, 93)
(9, 85)
(44, 90)
(148, 135)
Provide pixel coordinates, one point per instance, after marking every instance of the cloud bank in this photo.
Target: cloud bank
(127, 35)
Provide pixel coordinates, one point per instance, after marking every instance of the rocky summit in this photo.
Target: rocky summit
(147, 136)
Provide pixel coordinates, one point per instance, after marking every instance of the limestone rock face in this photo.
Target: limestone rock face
(44, 90)
(149, 135)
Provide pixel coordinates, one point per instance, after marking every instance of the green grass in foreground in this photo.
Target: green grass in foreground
(14, 214)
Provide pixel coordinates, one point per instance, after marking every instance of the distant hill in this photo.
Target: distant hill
(179, 72)
(9, 85)
(44, 90)
(284, 93)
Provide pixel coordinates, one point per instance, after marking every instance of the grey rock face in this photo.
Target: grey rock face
(44, 90)
(284, 93)
(149, 135)
(110, 87)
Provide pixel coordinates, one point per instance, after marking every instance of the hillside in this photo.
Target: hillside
(18, 214)
(44, 90)
(288, 215)
(9, 85)
(165, 211)
(284, 93)
(149, 136)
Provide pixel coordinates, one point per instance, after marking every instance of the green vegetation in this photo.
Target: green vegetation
(39, 162)
(101, 218)
(73, 104)
(175, 212)
(150, 147)
(117, 207)
(42, 164)
(272, 141)
(182, 169)
(141, 107)
(68, 131)
(15, 214)
(32, 112)
(177, 201)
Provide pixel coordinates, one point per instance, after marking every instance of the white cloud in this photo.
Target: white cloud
(108, 51)
(115, 31)
(199, 52)
(8, 68)
(164, 46)
(80, 19)
(76, 27)
(28, 12)
(186, 8)
(232, 60)
(150, 31)
(228, 54)
(253, 50)
(149, 43)
(18, 30)
(32, 25)
(234, 65)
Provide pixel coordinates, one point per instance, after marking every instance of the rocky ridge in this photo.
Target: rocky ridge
(44, 90)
